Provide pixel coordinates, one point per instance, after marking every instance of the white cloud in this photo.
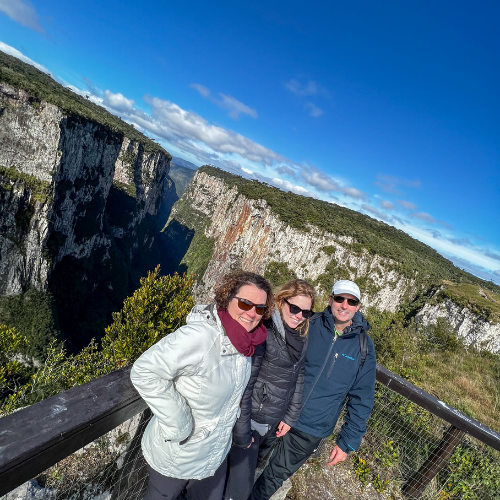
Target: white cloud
(285, 170)
(408, 205)
(319, 180)
(118, 102)
(354, 193)
(305, 88)
(201, 89)
(15, 53)
(290, 187)
(185, 129)
(314, 111)
(474, 255)
(247, 171)
(234, 107)
(423, 216)
(387, 205)
(21, 12)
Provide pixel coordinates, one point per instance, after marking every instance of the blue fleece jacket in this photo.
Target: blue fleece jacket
(332, 374)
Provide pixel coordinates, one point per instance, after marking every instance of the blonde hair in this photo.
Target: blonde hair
(292, 289)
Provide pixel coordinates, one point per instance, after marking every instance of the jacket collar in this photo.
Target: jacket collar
(209, 313)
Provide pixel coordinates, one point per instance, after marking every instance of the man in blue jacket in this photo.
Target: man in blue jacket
(340, 365)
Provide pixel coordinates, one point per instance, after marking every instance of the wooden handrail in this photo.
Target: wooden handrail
(37, 437)
(437, 407)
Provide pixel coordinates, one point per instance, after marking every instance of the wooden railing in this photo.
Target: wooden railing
(37, 437)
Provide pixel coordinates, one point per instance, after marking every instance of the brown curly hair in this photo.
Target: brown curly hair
(229, 286)
(292, 289)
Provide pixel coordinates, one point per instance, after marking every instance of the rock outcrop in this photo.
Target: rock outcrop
(77, 202)
(248, 234)
(468, 325)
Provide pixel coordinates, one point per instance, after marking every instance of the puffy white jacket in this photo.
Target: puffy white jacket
(192, 380)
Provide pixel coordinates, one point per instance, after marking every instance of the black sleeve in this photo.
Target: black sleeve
(293, 412)
(242, 431)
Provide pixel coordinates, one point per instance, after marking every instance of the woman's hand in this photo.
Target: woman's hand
(251, 443)
(282, 429)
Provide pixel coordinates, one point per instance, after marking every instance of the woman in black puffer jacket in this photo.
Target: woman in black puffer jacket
(271, 402)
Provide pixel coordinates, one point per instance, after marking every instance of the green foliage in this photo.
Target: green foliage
(278, 273)
(411, 257)
(43, 88)
(158, 307)
(484, 303)
(328, 249)
(198, 255)
(12, 346)
(471, 474)
(40, 189)
(31, 314)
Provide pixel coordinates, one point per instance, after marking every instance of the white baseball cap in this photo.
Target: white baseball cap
(346, 286)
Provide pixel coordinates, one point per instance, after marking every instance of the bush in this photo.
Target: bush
(278, 273)
(156, 309)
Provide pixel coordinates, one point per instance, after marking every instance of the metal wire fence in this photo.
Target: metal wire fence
(395, 461)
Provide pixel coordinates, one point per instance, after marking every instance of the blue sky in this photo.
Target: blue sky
(389, 108)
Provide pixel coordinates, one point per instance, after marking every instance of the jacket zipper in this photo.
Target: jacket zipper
(320, 372)
(333, 364)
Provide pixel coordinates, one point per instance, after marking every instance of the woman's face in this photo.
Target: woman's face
(294, 320)
(248, 319)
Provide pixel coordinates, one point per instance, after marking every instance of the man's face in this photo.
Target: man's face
(343, 312)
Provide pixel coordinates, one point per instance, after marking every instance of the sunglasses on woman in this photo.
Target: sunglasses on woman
(246, 305)
(339, 299)
(306, 313)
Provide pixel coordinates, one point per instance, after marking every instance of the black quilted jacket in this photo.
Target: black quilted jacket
(274, 391)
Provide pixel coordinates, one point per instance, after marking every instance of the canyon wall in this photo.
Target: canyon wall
(78, 202)
(222, 229)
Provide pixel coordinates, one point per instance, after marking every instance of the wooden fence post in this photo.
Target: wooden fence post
(436, 461)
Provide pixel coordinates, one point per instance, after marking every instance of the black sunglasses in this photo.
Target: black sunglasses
(246, 305)
(306, 313)
(339, 299)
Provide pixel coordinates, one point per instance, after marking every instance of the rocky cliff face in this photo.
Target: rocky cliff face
(468, 325)
(221, 229)
(247, 233)
(76, 201)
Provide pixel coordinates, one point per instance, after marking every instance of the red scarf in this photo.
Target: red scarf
(244, 341)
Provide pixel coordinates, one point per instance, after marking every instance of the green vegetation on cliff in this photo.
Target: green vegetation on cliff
(412, 258)
(158, 307)
(483, 303)
(40, 189)
(44, 88)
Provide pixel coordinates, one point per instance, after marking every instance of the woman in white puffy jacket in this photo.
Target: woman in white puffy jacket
(193, 380)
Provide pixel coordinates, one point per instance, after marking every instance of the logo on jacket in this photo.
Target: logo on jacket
(348, 357)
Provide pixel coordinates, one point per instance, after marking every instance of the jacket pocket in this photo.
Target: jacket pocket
(202, 432)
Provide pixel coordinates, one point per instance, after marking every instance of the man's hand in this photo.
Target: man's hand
(282, 429)
(337, 456)
(251, 443)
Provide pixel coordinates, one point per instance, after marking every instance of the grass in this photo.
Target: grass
(467, 380)
(484, 303)
(40, 189)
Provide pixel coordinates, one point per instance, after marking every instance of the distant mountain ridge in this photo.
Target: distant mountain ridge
(223, 222)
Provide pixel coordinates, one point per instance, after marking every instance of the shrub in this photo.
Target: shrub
(158, 307)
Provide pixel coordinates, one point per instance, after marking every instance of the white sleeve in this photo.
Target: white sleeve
(153, 375)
